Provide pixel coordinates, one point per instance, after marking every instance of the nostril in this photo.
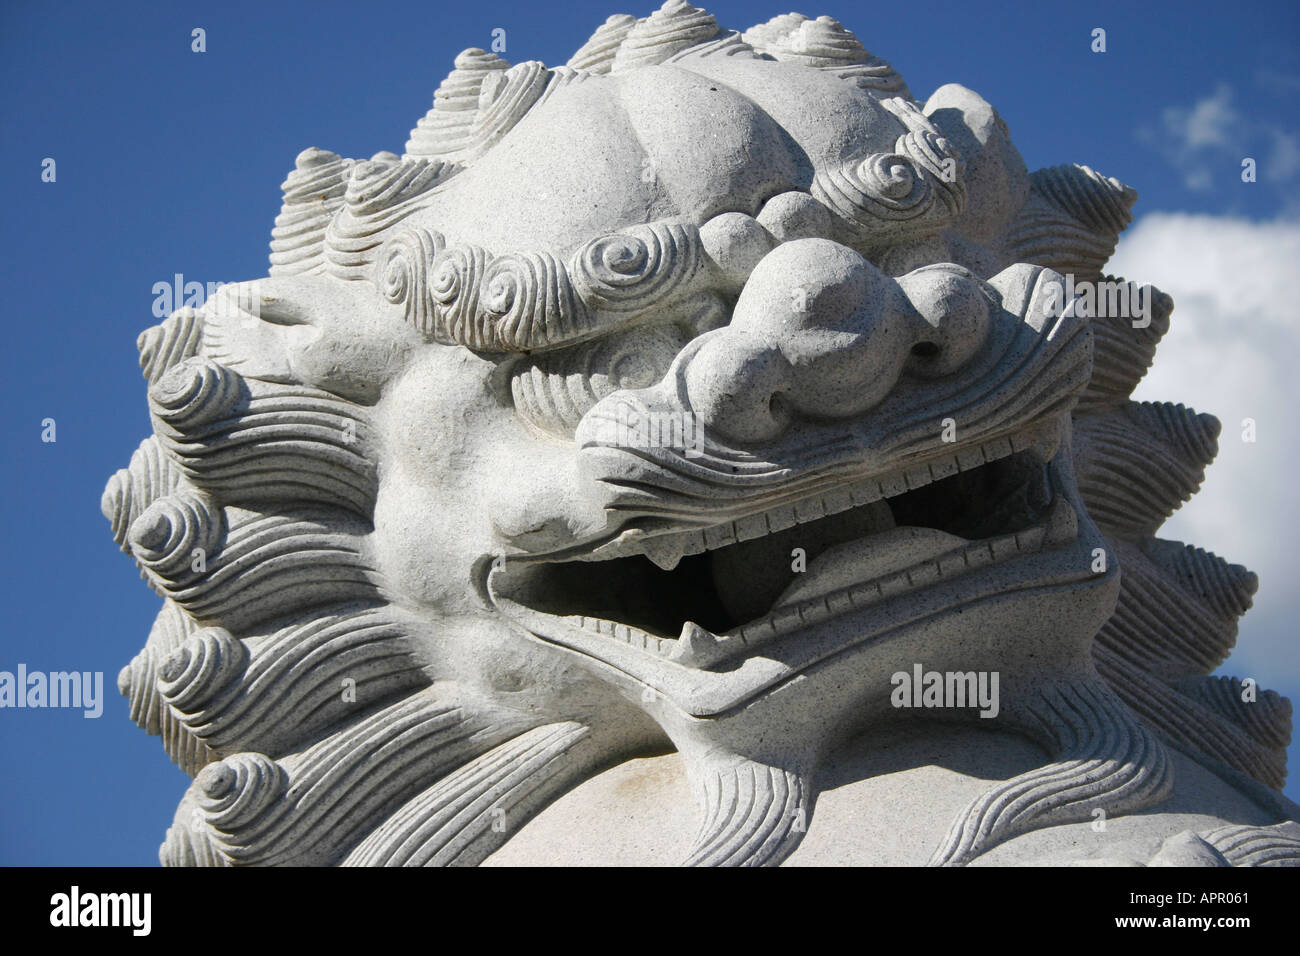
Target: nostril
(950, 318)
(739, 385)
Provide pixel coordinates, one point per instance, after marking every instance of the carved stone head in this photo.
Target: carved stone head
(676, 399)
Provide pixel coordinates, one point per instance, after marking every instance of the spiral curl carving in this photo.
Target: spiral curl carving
(236, 791)
(167, 535)
(402, 274)
(194, 393)
(454, 280)
(627, 270)
(529, 302)
(201, 668)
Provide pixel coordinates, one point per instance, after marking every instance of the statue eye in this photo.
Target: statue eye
(554, 390)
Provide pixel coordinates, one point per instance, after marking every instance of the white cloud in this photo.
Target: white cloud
(1233, 350)
(1214, 135)
(1211, 122)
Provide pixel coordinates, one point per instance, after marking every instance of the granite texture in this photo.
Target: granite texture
(704, 452)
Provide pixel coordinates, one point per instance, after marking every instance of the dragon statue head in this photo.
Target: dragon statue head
(675, 399)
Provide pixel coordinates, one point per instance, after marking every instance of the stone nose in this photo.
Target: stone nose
(820, 332)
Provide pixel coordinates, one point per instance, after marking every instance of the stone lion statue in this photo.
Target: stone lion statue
(703, 452)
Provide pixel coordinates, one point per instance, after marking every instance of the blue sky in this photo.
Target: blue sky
(169, 161)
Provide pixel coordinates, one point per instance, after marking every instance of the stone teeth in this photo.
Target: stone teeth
(944, 469)
(695, 646)
(927, 572)
(969, 458)
(998, 448)
(694, 543)
(786, 618)
(719, 536)
(1004, 547)
(867, 492)
(954, 562)
(624, 633)
(839, 603)
(668, 549)
(809, 509)
(750, 528)
(1029, 540)
(665, 551)
(836, 501)
(808, 612)
(778, 519)
(918, 477)
(894, 584)
(893, 486)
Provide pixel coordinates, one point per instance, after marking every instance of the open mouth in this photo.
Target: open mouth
(722, 592)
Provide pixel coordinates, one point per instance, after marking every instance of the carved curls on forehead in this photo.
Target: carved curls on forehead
(462, 294)
(339, 215)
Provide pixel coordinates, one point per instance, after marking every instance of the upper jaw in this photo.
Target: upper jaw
(1029, 374)
(674, 523)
